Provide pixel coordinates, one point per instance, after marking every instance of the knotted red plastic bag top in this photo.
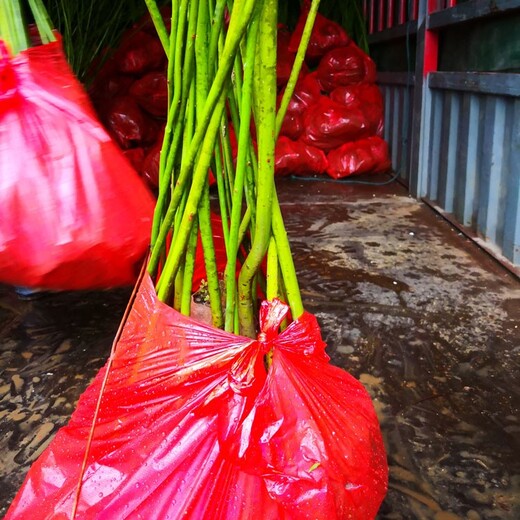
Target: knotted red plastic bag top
(73, 213)
(344, 66)
(325, 35)
(191, 426)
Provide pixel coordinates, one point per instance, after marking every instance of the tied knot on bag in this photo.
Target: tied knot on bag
(272, 313)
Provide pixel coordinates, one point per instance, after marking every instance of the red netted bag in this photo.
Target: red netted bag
(298, 158)
(151, 93)
(345, 66)
(191, 426)
(73, 213)
(328, 124)
(364, 156)
(366, 97)
(325, 35)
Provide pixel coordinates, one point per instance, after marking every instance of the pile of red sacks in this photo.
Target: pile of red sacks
(334, 120)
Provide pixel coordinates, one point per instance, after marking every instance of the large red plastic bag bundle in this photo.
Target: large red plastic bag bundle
(191, 426)
(368, 98)
(151, 92)
(139, 52)
(298, 158)
(328, 124)
(73, 213)
(306, 92)
(127, 123)
(292, 125)
(364, 156)
(345, 66)
(326, 35)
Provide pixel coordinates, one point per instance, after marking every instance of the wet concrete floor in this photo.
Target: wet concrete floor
(426, 320)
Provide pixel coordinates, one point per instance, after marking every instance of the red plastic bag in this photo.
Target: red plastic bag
(345, 66)
(127, 123)
(364, 156)
(191, 426)
(150, 165)
(73, 213)
(139, 52)
(151, 92)
(298, 158)
(328, 124)
(306, 92)
(136, 157)
(366, 97)
(292, 125)
(325, 35)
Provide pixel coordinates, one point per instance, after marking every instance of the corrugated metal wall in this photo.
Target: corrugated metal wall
(455, 136)
(398, 92)
(472, 147)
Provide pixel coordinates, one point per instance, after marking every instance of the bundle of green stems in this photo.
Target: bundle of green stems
(14, 24)
(221, 68)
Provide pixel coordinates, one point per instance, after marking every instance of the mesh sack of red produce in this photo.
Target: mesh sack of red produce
(298, 158)
(368, 98)
(73, 212)
(364, 156)
(190, 425)
(345, 66)
(326, 35)
(328, 124)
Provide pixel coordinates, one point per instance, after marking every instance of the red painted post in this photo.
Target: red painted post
(371, 28)
(415, 11)
(381, 16)
(402, 11)
(390, 14)
(431, 44)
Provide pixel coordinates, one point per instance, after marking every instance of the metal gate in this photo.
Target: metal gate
(454, 135)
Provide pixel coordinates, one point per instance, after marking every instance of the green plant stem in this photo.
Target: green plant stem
(297, 65)
(201, 170)
(175, 71)
(43, 22)
(216, 31)
(189, 268)
(236, 30)
(204, 212)
(12, 26)
(158, 23)
(265, 118)
(272, 271)
(208, 247)
(280, 234)
(244, 138)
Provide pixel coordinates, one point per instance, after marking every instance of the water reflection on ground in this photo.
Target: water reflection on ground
(426, 321)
